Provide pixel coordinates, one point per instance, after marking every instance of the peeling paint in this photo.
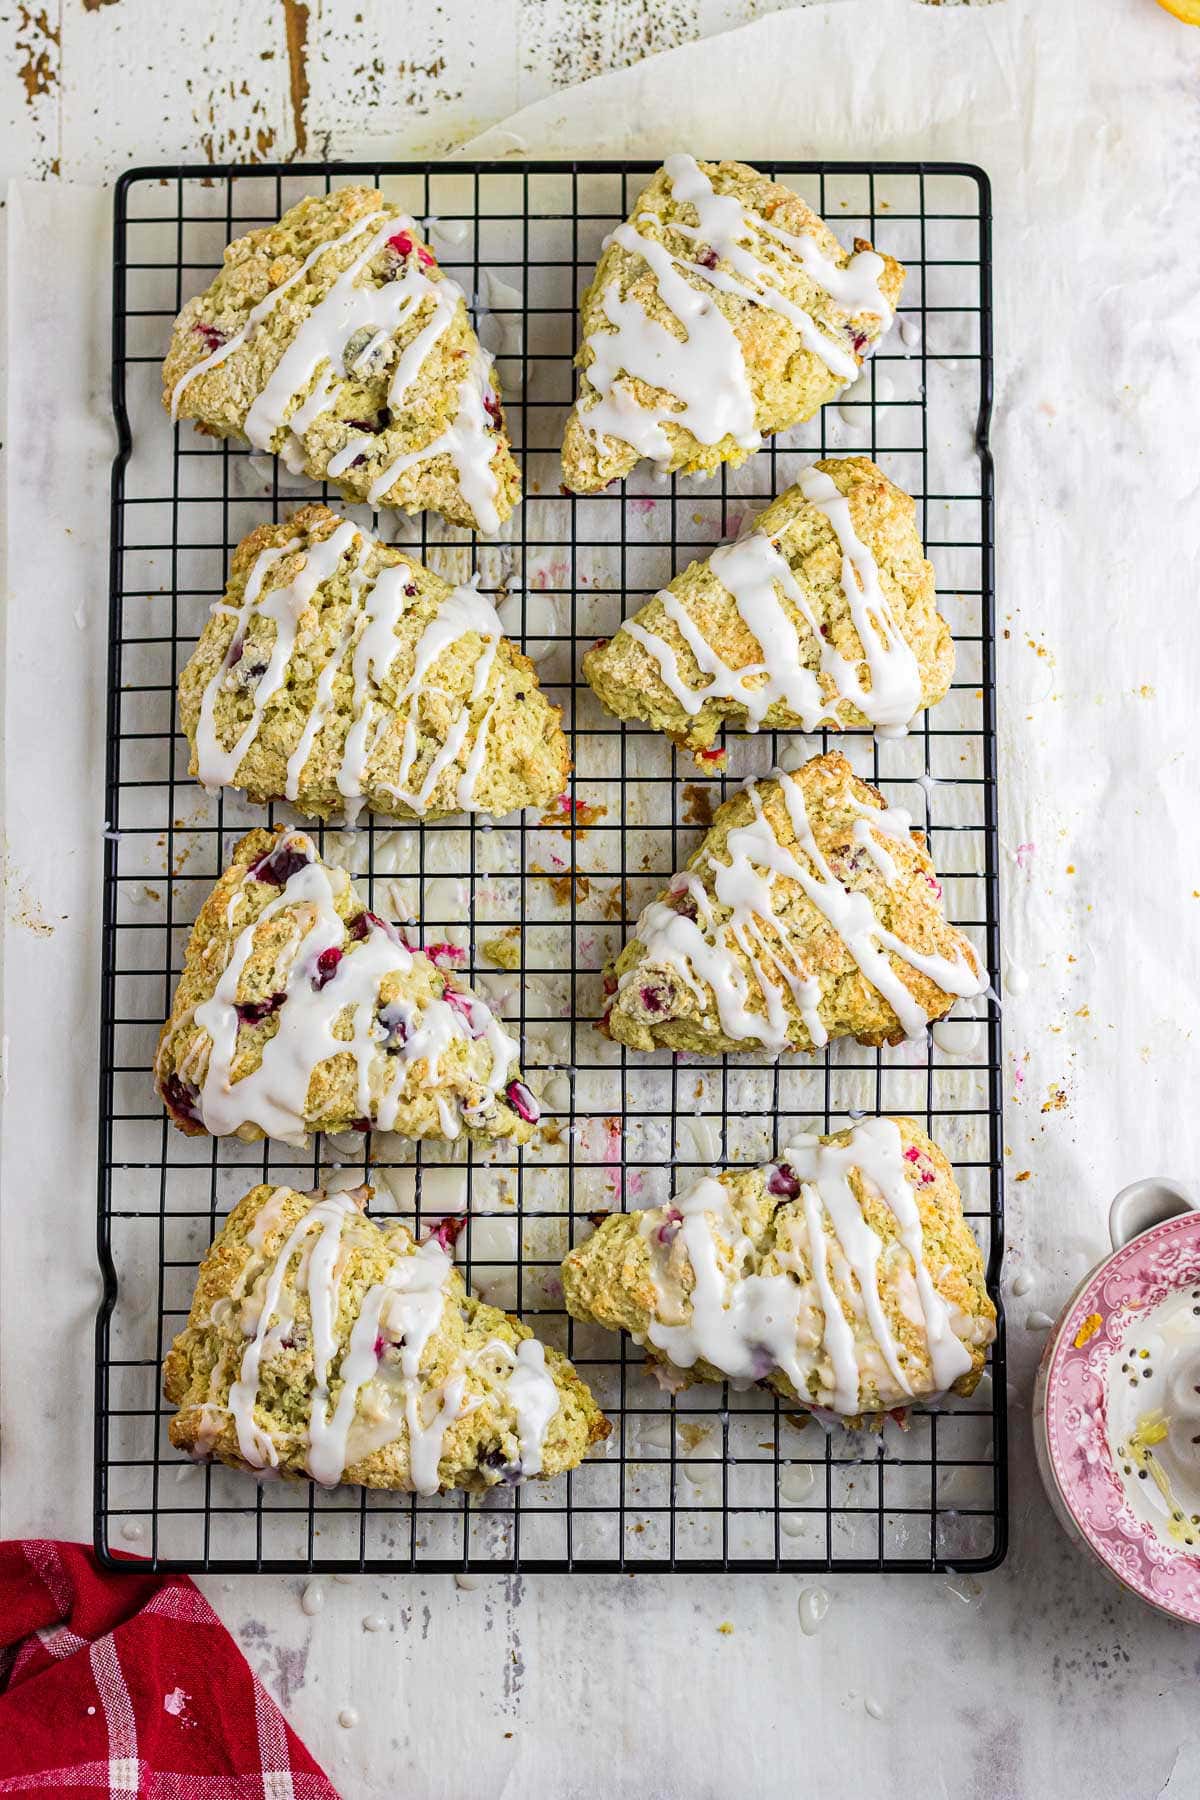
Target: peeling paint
(590, 37)
(85, 102)
(41, 42)
(246, 140)
(513, 1673)
(423, 88)
(295, 25)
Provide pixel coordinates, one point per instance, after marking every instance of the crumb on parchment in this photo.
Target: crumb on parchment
(504, 951)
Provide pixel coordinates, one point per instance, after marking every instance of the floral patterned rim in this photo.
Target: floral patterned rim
(1146, 1271)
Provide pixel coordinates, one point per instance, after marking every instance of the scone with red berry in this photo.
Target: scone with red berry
(824, 615)
(843, 1275)
(337, 672)
(323, 1343)
(299, 1010)
(722, 310)
(334, 340)
(811, 911)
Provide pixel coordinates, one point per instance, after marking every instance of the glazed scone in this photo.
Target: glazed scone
(338, 672)
(299, 1011)
(723, 309)
(322, 1344)
(824, 615)
(334, 340)
(810, 911)
(844, 1276)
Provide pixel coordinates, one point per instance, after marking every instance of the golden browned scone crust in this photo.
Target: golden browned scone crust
(298, 1010)
(821, 654)
(333, 339)
(810, 911)
(780, 1246)
(338, 671)
(322, 1344)
(779, 320)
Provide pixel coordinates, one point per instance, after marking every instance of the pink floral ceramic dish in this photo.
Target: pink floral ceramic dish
(1117, 1404)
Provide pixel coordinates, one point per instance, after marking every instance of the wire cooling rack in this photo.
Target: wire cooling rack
(709, 1478)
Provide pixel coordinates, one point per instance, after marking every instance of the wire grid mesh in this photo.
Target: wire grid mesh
(707, 1478)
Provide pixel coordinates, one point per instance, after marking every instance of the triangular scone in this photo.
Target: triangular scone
(338, 672)
(722, 309)
(824, 615)
(334, 340)
(810, 911)
(844, 1276)
(298, 1011)
(322, 1344)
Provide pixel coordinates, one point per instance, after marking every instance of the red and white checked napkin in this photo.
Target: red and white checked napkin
(129, 1684)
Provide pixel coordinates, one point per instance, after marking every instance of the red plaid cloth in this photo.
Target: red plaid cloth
(130, 1684)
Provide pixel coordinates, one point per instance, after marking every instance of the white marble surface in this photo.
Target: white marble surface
(1040, 1680)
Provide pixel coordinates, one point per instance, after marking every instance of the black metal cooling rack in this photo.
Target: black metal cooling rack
(707, 1479)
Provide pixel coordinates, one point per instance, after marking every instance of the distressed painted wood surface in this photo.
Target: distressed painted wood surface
(92, 86)
(89, 87)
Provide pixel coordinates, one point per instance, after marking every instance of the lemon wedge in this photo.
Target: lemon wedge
(1187, 10)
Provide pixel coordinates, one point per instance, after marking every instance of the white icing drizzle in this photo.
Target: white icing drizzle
(407, 1312)
(258, 313)
(723, 225)
(314, 364)
(529, 1389)
(753, 570)
(695, 951)
(465, 610)
(468, 444)
(328, 1431)
(368, 635)
(747, 1324)
(267, 1218)
(735, 1315)
(838, 1332)
(274, 1096)
(854, 288)
(377, 1398)
(322, 1284)
(285, 605)
(341, 314)
(384, 603)
(895, 692)
(326, 680)
(704, 370)
(534, 1398)
(406, 1305)
(254, 1445)
(874, 822)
